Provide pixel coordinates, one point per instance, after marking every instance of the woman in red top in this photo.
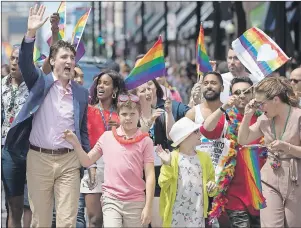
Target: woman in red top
(101, 117)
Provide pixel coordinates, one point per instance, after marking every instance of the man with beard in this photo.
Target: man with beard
(212, 86)
(55, 103)
(236, 191)
(236, 70)
(14, 94)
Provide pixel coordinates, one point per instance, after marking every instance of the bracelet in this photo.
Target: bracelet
(289, 148)
(226, 114)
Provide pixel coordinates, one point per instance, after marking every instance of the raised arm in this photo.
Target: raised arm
(27, 67)
(170, 120)
(212, 120)
(54, 20)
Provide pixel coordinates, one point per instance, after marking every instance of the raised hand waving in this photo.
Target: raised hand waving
(35, 19)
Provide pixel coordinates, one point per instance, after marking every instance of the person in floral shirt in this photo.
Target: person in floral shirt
(14, 94)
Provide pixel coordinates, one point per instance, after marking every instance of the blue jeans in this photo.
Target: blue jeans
(80, 220)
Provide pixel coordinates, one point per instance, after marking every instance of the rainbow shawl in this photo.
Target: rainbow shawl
(252, 172)
(151, 66)
(203, 64)
(259, 53)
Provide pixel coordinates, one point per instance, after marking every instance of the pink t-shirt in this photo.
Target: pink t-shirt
(124, 164)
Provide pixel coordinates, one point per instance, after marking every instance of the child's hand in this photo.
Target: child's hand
(70, 137)
(210, 186)
(146, 216)
(164, 155)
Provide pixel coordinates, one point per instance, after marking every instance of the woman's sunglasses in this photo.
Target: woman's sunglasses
(131, 97)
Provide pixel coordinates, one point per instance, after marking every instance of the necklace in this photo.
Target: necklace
(275, 163)
(123, 140)
(103, 117)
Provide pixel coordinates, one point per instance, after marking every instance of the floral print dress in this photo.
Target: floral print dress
(189, 204)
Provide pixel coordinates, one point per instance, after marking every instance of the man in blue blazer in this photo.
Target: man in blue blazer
(55, 103)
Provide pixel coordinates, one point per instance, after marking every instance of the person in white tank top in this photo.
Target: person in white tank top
(211, 87)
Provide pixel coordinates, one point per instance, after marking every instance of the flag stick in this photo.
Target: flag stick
(83, 30)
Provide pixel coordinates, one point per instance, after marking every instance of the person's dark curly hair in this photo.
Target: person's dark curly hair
(117, 83)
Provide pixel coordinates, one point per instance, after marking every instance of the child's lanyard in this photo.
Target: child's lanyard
(103, 117)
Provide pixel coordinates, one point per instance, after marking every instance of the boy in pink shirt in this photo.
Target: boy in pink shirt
(126, 152)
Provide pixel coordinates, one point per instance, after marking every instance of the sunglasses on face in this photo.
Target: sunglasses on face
(296, 81)
(259, 104)
(131, 97)
(239, 92)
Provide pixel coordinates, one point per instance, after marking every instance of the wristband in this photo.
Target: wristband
(222, 109)
(226, 114)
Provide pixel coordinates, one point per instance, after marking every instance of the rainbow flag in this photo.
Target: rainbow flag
(79, 28)
(6, 49)
(259, 53)
(6, 52)
(151, 66)
(80, 51)
(202, 58)
(37, 56)
(62, 24)
(252, 173)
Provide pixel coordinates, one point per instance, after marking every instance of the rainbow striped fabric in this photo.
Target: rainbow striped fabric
(252, 173)
(37, 56)
(62, 24)
(202, 58)
(79, 28)
(151, 66)
(259, 53)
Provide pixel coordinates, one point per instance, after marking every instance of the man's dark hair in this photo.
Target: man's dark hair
(118, 84)
(159, 92)
(218, 75)
(240, 79)
(55, 48)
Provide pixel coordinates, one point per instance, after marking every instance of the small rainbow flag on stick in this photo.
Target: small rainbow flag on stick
(37, 56)
(62, 24)
(151, 66)
(203, 64)
(259, 53)
(79, 28)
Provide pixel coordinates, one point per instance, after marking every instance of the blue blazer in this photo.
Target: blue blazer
(17, 141)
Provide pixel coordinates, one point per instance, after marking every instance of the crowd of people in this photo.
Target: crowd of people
(158, 155)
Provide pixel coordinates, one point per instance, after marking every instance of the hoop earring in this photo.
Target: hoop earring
(114, 95)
